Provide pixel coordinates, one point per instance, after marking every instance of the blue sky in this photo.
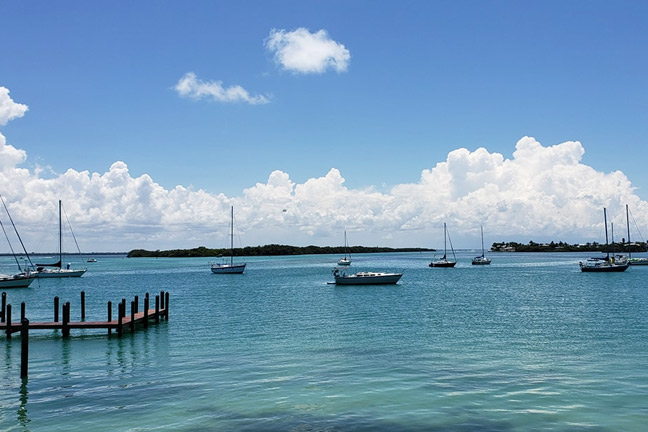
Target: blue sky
(416, 80)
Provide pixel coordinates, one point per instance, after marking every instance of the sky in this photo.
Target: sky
(150, 119)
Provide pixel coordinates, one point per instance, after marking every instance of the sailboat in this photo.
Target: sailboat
(606, 264)
(346, 261)
(231, 268)
(57, 270)
(633, 261)
(444, 262)
(24, 277)
(481, 260)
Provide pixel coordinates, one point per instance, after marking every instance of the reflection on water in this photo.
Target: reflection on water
(23, 418)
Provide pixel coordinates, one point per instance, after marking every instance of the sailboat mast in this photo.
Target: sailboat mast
(482, 238)
(445, 239)
(607, 246)
(345, 244)
(232, 238)
(60, 237)
(628, 224)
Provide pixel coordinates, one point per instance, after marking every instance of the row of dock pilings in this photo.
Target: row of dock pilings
(161, 310)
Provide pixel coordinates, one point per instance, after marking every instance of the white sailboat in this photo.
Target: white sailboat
(444, 261)
(636, 260)
(231, 268)
(25, 277)
(57, 270)
(481, 260)
(346, 261)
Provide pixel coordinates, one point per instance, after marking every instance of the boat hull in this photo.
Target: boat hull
(607, 268)
(446, 264)
(228, 268)
(368, 279)
(17, 281)
(481, 261)
(344, 262)
(59, 273)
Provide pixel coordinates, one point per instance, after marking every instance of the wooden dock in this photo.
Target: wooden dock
(123, 321)
(137, 319)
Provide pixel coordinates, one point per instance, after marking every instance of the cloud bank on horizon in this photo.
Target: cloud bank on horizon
(540, 193)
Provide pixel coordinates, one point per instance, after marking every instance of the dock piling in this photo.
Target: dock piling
(166, 306)
(4, 307)
(22, 311)
(146, 310)
(109, 315)
(82, 305)
(8, 320)
(24, 350)
(120, 318)
(157, 308)
(66, 319)
(132, 321)
(56, 309)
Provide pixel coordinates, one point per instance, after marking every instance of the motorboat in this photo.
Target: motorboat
(365, 278)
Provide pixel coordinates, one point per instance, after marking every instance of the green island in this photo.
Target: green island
(267, 250)
(565, 247)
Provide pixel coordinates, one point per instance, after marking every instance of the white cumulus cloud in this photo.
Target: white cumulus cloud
(304, 52)
(10, 156)
(541, 193)
(190, 86)
(8, 108)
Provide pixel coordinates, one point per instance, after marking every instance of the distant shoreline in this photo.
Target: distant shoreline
(564, 247)
(267, 250)
(64, 254)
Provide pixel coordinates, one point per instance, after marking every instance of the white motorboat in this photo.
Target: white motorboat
(638, 261)
(365, 278)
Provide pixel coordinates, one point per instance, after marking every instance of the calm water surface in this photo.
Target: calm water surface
(527, 343)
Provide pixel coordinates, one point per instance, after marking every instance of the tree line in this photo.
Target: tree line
(565, 247)
(266, 250)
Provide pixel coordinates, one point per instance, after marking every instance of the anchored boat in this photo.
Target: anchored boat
(365, 278)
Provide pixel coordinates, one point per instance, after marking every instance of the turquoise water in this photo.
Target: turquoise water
(527, 343)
